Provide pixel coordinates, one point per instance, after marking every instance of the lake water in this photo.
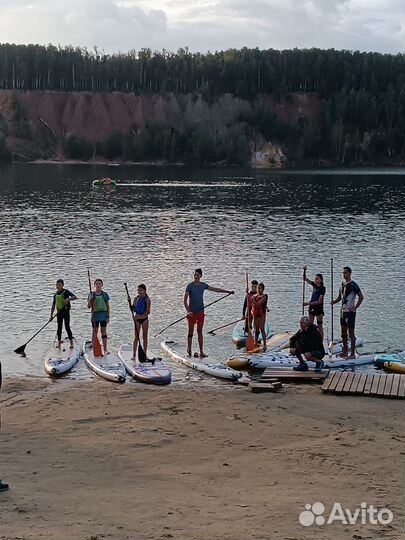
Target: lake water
(164, 222)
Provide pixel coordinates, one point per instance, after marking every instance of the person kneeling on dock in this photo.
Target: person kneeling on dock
(308, 342)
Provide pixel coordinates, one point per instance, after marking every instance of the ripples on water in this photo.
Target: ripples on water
(169, 221)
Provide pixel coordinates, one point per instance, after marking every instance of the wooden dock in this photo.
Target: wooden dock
(367, 384)
(272, 379)
(289, 375)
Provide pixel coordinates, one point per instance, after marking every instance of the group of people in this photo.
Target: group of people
(306, 343)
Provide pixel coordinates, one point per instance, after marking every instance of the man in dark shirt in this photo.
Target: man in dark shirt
(308, 342)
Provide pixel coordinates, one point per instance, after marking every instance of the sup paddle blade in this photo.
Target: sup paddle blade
(97, 351)
(20, 350)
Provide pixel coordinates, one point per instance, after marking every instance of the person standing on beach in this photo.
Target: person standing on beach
(348, 292)
(61, 301)
(99, 303)
(3, 485)
(315, 305)
(141, 309)
(194, 306)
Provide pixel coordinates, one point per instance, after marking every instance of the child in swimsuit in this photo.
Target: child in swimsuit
(141, 308)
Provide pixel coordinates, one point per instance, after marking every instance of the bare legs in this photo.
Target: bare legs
(145, 328)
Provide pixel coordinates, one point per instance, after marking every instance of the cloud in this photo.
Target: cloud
(371, 25)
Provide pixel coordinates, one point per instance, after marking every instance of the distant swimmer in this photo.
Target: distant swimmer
(348, 292)
(194, 306)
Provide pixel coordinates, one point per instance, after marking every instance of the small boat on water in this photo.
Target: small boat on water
(104, 182)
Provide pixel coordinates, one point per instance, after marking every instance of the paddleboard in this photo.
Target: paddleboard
(280, 359)
(276, 342)
(108, 367)
(154, 371)
(239, 335)
(394, 367)
(381, 359)
(61, 360)
(179, 353)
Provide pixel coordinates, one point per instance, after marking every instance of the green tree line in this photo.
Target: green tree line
(245, 72)
(361, 99)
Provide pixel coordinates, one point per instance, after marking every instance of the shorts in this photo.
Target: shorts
(348, 319)
(196, 318)
(96, 324)
(316, 311)
(318, 354)
(141, 321)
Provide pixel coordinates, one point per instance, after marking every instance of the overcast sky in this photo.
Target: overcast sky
(120, 25)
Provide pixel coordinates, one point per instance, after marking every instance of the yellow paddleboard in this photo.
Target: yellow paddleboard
(394, 367)
(279, 341)
(237, 363)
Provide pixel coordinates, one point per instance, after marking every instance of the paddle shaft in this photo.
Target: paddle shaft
(141, 352)
(185, 316)
(225, 325)
(331, 306)
(303, 290)
(21, 349)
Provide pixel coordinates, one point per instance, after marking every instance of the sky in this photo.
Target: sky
(202, 25)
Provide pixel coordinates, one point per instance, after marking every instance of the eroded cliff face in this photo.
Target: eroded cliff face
(94, 116)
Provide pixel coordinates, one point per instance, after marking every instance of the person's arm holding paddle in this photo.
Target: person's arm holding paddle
(338, 299)
(216, 289)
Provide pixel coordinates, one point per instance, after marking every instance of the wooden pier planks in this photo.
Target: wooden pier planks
(372, 384)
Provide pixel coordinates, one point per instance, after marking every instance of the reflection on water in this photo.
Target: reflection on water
(169, 221)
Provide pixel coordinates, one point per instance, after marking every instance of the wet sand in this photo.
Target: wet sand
(97, 460)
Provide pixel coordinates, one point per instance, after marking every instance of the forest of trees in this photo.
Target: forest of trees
(362, 95)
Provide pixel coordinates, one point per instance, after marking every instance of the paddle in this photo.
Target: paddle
(20, 350)
(94, 339)
(225, 325)
(304, 275)
(185, 316)
(141, 353)
(250, 342)
(331, 344)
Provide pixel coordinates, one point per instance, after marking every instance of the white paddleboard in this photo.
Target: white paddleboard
(61, 360)
(280, 359)
(154, 371)
(179, 353)
(108, 367)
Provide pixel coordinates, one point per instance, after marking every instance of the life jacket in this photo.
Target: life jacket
(60, 300)
(140, 305)
(99, 303)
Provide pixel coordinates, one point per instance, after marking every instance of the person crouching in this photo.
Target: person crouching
(308, 342)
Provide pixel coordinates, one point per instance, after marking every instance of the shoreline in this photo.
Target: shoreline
(137, 461)
(294, 166)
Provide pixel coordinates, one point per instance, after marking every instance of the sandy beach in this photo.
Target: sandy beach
(93, 460)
